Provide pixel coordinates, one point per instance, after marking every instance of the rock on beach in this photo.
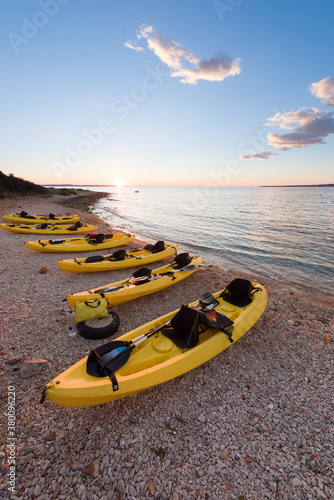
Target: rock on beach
(32, 367)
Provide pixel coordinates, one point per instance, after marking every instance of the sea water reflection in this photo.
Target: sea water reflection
(285, 233)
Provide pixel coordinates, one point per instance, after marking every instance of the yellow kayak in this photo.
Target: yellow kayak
(24, 218)
(48, 228)
(118, 260)
(83, 244)
(139, 284)
(157, 351)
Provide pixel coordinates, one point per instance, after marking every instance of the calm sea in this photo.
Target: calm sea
(284, 233)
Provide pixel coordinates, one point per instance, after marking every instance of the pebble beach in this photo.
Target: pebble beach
(255, 422)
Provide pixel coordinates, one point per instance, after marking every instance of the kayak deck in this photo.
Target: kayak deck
(125, 291)
(108, 262)
(19, 218)
(84, 244)
(49, 229)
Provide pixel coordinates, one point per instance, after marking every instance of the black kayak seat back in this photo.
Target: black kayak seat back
(97, 364)
(75, 226)
(96, 238)
(189, 323)
(52, 216)
(238, 292)
(26, 215)
(143, 273)
(181, 260)
(94, 258)
(119, 255)
(159, 246)
(184, 328)
(56, 242)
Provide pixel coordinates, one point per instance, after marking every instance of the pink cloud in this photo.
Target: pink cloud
(324, 90)
(183, 63)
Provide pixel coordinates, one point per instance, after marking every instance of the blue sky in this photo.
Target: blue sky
(222, 92)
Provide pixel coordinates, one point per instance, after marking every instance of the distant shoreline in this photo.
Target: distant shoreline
(112, 185)
(300, 185)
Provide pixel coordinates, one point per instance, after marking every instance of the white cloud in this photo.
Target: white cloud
(324, 89)
(130, 45)
(308, 126)
(289, 119)
(183, 63)
(144, 31)
(215, 69)
(264, 155)
(170, 52)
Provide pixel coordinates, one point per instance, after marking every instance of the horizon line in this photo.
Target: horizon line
(180, 186)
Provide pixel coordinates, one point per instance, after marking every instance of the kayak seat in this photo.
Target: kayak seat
(25, 214)
(101, 359)
(181, 260)
(159, 246)
(94, 258)
(96, 238)
(140, 276)
(119, 255)
(184, 328)
(189, 323)
(239, 292)
(75, 226)
(55, 242)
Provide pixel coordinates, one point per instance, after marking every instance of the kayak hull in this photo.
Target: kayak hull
(128, 291)
(51, 229)
(133, 259)
(84, 244)
(154, 361)
(41, 219)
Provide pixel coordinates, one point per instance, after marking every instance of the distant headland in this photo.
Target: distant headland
(300, 185)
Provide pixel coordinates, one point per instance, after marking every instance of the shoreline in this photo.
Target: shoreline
(254, 422)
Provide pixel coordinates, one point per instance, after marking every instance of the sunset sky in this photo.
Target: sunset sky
(150, 92)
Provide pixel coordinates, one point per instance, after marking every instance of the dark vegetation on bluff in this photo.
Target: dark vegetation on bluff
(11, 186)
(15, 187)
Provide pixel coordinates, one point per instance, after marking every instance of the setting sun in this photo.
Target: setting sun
(119, 183)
